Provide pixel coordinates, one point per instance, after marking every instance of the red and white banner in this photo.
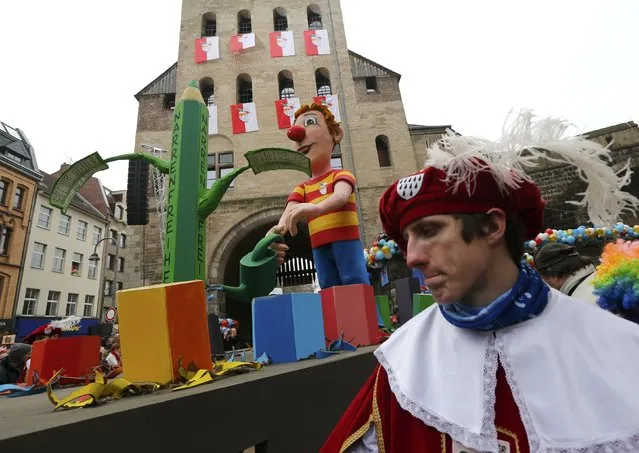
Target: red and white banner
(244, 118)
(316, 42)
(282, 44)
(207, 49)
(212, 119)
(285, 109)
(331, 102)
(242, 42)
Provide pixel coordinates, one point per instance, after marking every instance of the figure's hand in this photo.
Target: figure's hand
(279, 247)
(299, 212)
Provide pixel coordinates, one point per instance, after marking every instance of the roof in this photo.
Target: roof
(363, 67)
(16, 151)
(611, 129)
(78, 201)
(416, 129)
(166, 83)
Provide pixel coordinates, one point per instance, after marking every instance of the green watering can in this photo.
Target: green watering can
(258, 271)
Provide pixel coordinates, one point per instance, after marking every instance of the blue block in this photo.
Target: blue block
(288, 327)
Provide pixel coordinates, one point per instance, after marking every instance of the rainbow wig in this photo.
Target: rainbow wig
(617, 279)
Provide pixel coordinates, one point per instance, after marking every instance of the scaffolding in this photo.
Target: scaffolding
(159, 190)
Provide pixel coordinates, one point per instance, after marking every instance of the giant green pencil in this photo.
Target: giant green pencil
(185, 238)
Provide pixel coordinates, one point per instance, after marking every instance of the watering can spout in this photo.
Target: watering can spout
(258, 271)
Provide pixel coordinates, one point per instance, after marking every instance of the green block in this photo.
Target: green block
(421, 302)
(383, 305)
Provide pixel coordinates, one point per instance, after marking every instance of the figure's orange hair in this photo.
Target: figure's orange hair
(333, 126)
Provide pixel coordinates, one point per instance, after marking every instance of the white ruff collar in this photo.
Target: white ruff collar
(572, 371)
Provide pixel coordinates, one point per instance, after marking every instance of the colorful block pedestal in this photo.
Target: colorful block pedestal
(160, 323)
(383, 306)
(77, 355)
(288, 327)
(421, 302)
(350, 310)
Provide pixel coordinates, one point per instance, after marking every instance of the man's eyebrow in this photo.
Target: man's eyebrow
(309, 114)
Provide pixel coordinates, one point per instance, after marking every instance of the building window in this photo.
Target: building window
(13, 157)
(52, 303)
(280, 21)
(5, 237)
(383, 151)
(108, 287)
(93, 269)
(169, 101)
(82, 230)
(4, 187)
(110, 264)
(244, 22)
(114, 234)
(120, 286)
(76, 264)
(58, 259)
(285, 81)
(314, 16)
(336, 157)
(323, 82)
(37, 255)
(244, 86)
(207, 88)
(120, 264)
(30, 302)
(72, 302)
(209, 24)
(64, 225)
(44, 219)
(18, 198)
(119, 212)
(88, 306)
(97, 235)
(219, 165)
(371, 84)
(122, 240)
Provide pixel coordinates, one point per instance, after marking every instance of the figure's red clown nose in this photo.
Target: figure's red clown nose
(296, 133)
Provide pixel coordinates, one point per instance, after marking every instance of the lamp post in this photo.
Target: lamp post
(95, 257)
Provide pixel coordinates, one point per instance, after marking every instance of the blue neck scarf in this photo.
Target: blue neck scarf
(524, 301)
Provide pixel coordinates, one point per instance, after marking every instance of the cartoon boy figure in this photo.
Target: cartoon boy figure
(326, 201)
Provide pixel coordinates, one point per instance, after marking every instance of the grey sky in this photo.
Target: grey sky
(69, 70)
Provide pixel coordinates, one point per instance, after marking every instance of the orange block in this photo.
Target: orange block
(160, 323)
(77, 355)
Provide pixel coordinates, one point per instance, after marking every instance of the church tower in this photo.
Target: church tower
(255, 61)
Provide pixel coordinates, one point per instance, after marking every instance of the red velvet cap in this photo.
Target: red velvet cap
(427, 193)
(45, 330)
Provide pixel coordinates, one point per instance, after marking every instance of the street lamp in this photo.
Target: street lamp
(95, 258)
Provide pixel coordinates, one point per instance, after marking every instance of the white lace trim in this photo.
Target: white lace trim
(623, 445)
(487, 440)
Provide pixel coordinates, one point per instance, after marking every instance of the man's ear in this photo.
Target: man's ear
(340, 135)
(497, 225)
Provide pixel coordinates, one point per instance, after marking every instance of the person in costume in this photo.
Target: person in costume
(563, 268)
(616, 279)
(43, 332)
(502, 362)
(13, 366)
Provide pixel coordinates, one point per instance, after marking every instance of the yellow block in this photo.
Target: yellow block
(160, 323)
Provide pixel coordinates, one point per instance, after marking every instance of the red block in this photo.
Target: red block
(350, 310)
(77, 355)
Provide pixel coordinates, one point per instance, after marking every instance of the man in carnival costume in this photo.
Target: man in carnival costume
(502, 363)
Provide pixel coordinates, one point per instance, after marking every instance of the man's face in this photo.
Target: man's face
(454, 269)
(318, 143)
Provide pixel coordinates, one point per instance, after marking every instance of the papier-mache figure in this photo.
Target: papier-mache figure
(326, 201)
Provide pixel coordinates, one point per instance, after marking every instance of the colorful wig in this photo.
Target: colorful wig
(617, 279)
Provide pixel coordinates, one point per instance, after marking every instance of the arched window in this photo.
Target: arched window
(244, 89)
(280, 21)
(323, 82)
(383, 151)
(314, 16)
(244, 22)
(207, 88)
(209, 24)
(285, 83)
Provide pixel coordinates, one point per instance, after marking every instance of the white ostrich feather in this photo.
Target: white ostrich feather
(66, 323)
(524, 143)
